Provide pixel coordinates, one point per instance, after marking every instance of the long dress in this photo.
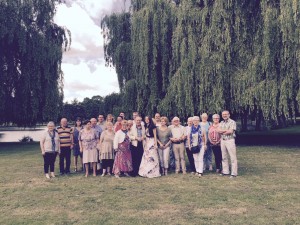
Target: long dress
(150, 162)
(89, 143)
(76, 147)
(123, 160)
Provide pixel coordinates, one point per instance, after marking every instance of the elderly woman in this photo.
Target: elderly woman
(163, 139)
(123, 160)
(106, 151)
(188, 150)
(197, 144)
(208, 153)
(88, 139)
(215, 138)
(50, 147)
(150, 163)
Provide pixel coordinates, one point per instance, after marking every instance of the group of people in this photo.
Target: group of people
(142, 147)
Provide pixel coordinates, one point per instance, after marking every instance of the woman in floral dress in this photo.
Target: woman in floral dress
(123, 160)
(88, 143)
(150, 162)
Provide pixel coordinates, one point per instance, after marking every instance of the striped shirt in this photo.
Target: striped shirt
(65, 136)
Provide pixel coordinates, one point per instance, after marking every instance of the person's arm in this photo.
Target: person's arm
(71, 138)
(204, 138)
(189, 141)
(80, 142)
(155, 138)
(42, 141)
(116, 141)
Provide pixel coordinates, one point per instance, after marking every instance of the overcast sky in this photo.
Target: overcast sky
(85, 74)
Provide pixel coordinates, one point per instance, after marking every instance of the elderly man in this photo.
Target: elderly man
(137, 135)
(227, 130)
(101, 122)
(97, 128)
(178, 137)
(65, 134)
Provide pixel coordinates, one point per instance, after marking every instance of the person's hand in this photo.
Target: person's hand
(189, 148)
(205, 147)
(81, 150)
(43, 153)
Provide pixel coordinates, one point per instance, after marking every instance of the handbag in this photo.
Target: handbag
(195, 149)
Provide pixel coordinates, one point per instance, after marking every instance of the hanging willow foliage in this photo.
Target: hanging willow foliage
(205, 56)
(31, 52)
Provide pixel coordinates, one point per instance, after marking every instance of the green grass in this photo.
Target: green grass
(266, 192)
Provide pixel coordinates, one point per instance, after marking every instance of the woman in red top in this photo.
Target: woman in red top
(118, 124)
(215, 138)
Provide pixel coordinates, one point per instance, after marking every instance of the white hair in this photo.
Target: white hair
(196, 118)
(216, 116)
(51, 123)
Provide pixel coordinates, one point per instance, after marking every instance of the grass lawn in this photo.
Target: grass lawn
(265, 192)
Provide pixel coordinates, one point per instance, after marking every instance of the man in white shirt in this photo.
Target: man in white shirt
(178, 137)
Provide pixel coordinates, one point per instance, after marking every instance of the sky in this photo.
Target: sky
(85, 73)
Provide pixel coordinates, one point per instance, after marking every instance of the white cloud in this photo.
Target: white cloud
(85, 74)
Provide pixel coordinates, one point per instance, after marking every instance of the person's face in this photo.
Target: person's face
(176, 122)
(109, 127)
(88, 125)
(109, 118)
(64, 122)
(100, 118)
(124, 125)
(204, 118)
(138, 121)
(119, 119)
(134, 115)
(50, 127)
(147, 120)
(78, 123)
(129, 125)
(93, 122)
(196, 122)
(225, 115)
(157, 117)
(163, 122)
(190, 122)
(216, 120)
(122, 114)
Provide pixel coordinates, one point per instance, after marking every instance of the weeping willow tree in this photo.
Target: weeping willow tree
(31, 52)
(195, 56)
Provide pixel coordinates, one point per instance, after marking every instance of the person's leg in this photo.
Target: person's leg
(230, 144)
(161, 159)
(200, 158)
(191, 160)
(140, 150)
(94, 168)
(86, 169)
(176, 150)
(46, 164)
(196, 162)
(104, 166)
(61, 160)
(225, 164)
(182, 157)
(68, 159)
(209, 157)
(109, 166)
(52, 165)
(218, 157)
(75, 163)
(134, 155)
(166, 156)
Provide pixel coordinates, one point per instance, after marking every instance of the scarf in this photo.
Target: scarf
(195, 130)
(52, 140)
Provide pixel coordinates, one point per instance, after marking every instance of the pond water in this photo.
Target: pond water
(15, 134)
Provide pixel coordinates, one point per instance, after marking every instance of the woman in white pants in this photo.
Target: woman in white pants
(197, 138)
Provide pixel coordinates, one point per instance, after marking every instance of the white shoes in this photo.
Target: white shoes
(47, 176)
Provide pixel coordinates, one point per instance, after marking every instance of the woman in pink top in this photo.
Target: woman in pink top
(215, 138)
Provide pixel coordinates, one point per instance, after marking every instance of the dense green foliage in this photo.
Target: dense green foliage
(92, 107)
(31, 47)
(205, 55)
